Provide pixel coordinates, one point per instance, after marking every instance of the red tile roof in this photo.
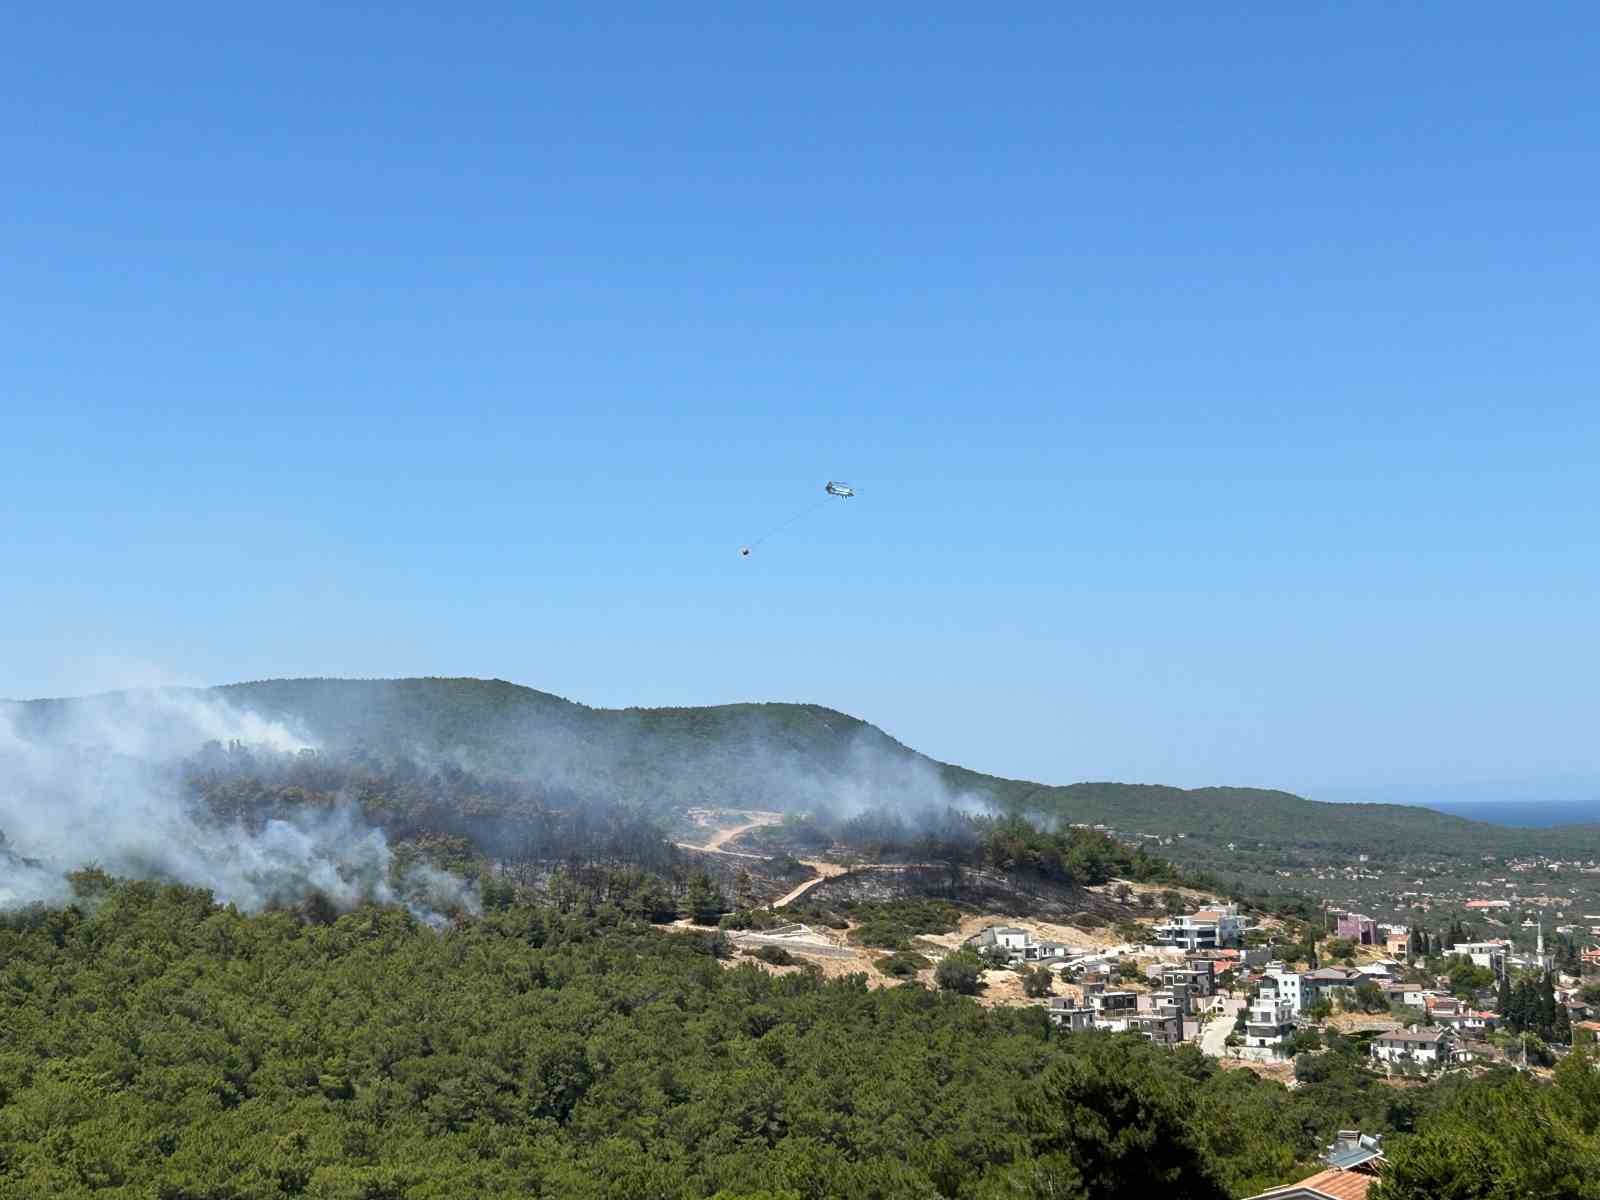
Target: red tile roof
(1334, 1183)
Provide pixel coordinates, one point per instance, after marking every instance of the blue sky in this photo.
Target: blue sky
(1221, 386)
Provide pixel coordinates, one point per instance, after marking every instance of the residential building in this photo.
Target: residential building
(1405, 993)
(1325, 981)
(1269, 1023)
(1358, 927)
(1444, 1006)
(1164, 1028)
(1194, 982)
(1287, 985)
(1474, 1024)
(1426, 1047)
(1017, 945)
(1113, 1003)
(1069, 1017)
(1210, 928)
(1162, 1023)
(1489, 955)
(1354, 1162)
(1398, 943)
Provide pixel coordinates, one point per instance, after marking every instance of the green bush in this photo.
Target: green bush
(892, 925)
(960, 972)
(903, 964)
(776, 955)
(1304, 1041)
(1038, 983)
(757, 919)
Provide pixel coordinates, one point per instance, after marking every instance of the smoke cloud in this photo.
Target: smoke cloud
(96, 781)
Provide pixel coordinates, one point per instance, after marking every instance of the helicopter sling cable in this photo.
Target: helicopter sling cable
(833, 489)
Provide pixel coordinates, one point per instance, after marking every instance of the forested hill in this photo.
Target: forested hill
(793, 756)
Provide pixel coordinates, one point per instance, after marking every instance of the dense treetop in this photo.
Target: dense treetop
(155, 1044)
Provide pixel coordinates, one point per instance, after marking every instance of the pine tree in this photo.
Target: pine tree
(1524, 1014)
(1503, 1000)
(705, 902)
(1547, 1007)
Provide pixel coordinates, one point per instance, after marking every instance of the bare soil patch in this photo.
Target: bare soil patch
(1282, 1072)
(1362, 1022)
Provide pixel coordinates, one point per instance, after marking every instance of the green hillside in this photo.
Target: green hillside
(802, 756)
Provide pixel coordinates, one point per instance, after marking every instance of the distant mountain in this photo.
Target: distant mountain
(799, 757)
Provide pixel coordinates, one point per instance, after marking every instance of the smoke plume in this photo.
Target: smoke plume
(95, 781)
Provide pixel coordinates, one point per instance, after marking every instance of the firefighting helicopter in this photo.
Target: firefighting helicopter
(834, 489)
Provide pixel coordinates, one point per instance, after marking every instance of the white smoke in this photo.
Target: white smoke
(94, 782)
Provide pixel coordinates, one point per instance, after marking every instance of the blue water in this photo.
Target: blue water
(1534, 813)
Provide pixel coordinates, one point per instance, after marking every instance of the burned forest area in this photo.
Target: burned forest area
(455, 940)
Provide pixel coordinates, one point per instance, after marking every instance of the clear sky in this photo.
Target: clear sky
(1222, 385)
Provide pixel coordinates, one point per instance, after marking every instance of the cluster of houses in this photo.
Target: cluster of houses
(1186, 986)
(1446, 1028)
(1159, 1015)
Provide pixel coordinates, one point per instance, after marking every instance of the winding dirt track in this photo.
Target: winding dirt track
(723, 836)
(825, 870)
(727, 835)
(828, 870)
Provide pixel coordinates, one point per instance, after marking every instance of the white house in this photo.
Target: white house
(1208, 929)
(1269, 1024)
(1426, 1047)
(1016, 944)
(1291, 986)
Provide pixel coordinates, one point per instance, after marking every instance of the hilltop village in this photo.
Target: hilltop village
(1468, 984)
(1177, 964)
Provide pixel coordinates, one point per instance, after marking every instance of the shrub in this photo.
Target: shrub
(1038, 982)
(960, 972)
(1304, 1041)
(891, 926)
(776, 955)
(903, 965)
(995, 958)
(752, 918)
(1133, 932)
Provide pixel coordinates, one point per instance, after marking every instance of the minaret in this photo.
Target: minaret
(1540, 950)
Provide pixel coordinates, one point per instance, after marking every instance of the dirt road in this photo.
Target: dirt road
(724, 836)
(715, 843)
(825, 870)
(1214, 1038)
(828, 870)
